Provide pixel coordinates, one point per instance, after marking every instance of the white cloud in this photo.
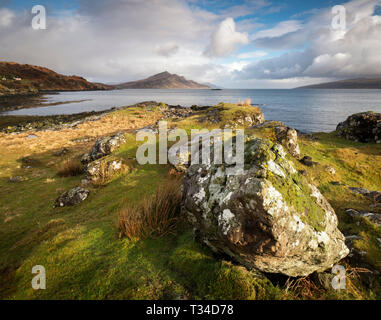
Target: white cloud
(124, 41)
(331, 54)
(6, 17)
(280, 29)
(226, 39)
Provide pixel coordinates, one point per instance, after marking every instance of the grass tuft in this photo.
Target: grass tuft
(70, 168)
(155, 216)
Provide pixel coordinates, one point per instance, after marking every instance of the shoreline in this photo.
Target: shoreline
(10, 124)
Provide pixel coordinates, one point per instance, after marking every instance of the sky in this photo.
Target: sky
(233, 44)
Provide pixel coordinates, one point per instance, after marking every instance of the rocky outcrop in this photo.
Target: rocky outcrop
(103, 147)
(371, 195)
(288, 137)
(72, 197)
(268, 217)
(104, 169)
(361, 127)
(373, 217)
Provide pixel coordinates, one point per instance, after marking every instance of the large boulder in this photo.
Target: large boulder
(269, 217)
(362, 127)
(103, 147)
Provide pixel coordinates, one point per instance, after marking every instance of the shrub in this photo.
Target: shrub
(70, 167)
(155, 216)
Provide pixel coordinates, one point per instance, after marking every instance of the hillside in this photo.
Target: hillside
(24, 78)
(361, 83)
(164, 80)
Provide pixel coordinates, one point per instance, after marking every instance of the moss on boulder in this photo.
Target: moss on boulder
(269, 217)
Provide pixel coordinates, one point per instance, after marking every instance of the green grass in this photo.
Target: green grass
(84, 257)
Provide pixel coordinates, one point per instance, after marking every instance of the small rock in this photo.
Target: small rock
(31, 136)
(288, 137)
(85, 182)
(103, 147)
(104, 169)
(303, 172)
(372, 195)
(61, 152)
(16, 179)
(336, 183)
(72, 197)
(373, 217)
(331, 170)
(307, 161)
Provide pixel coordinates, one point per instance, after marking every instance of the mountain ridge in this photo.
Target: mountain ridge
(358, 83)
(163, 80)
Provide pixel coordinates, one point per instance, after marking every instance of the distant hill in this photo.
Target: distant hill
(24, 78)
(164, 80)
(361, 83)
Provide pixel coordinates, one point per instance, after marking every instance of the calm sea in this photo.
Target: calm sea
(309, 110)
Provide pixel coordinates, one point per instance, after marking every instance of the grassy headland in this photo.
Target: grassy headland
(81, 247)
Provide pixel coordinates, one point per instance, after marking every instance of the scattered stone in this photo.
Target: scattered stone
(29, 162)
(288, 137)
(307, 161)
(83, 139)
(72, 197)
(103, 147)
(149, 129)
(331, 170)
(268, 217)
(61, 152)
(303, 172)
(361, 127)
(269, 124)
(104, 169)
(177, 112)
(31, 136)
(373, 217)
(337, 183)
(372, 195)
(16, 179)
(85, 182)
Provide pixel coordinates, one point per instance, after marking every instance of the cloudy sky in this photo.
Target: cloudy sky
(234, 44)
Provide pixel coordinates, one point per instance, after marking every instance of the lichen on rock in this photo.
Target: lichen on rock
(361, 127)
(269, 217)
(103, 147)
(105, 169)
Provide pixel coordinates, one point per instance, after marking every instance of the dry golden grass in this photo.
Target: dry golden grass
(155, 216)
(50, 140)
(70, 167)
(246, 103)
